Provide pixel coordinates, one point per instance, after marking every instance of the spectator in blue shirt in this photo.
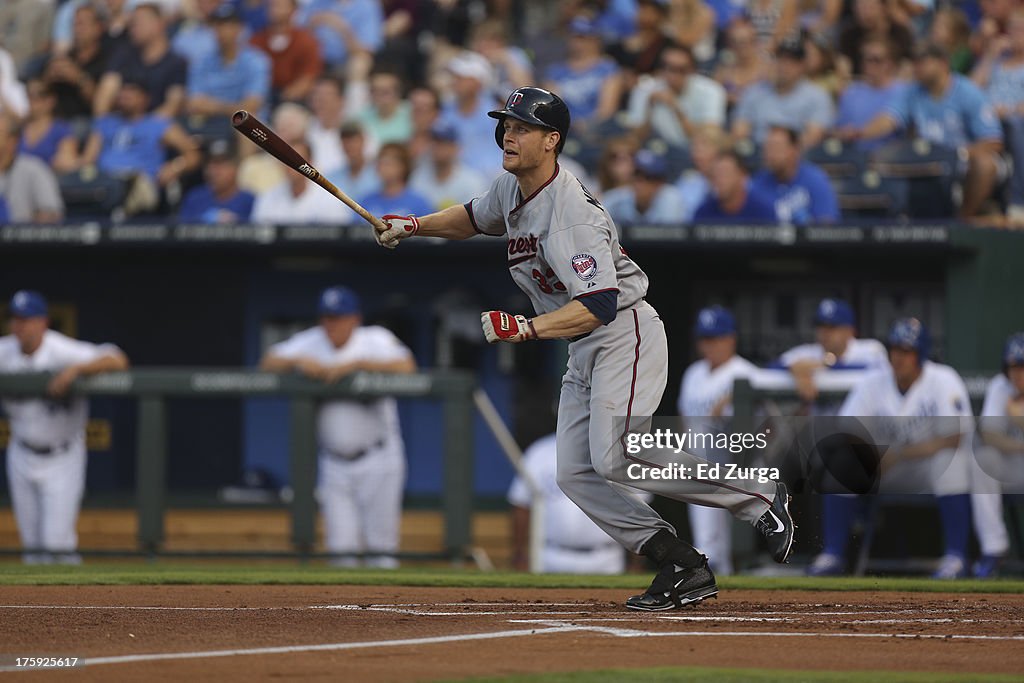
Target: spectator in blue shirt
(790, 99)
(344, 28)
(42, 134)
(867, 97)
(650, 198)
(1001, 73)
(394, 166)
(588, 80)
(232, 77)
(467, 111)
(195, 37)
(131, 141)
(359, 174)
(732, 198)
(802, 191)
(219, 199)
(948, 109)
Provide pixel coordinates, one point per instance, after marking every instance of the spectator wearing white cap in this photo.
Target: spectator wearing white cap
(650, 198)
(467, 109)
(442, 178)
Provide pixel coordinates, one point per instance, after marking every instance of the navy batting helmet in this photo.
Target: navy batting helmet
(910, 333)
(537, 106)
(1013, 352)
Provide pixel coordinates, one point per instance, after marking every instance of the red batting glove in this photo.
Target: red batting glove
(396, 228)
(502, 326)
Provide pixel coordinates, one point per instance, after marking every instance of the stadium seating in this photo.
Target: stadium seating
(869, 195)
(838, 159)
(933, 175)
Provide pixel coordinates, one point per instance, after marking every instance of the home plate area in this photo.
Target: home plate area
(377, 633)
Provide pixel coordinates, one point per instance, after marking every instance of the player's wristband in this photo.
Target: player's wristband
(533, 330)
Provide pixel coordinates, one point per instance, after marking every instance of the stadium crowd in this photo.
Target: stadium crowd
(789, 111)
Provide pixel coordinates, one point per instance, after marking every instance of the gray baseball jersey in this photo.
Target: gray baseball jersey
(563, 245)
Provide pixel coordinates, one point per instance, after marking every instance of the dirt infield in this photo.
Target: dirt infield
(365, 633)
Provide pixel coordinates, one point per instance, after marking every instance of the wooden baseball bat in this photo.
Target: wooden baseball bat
(257, 131)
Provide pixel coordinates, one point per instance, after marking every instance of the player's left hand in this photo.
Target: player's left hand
(501, 326)
(62, 381)
(393, 229)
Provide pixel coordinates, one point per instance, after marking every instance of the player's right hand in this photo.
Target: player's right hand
(395, 229)
(500, 326)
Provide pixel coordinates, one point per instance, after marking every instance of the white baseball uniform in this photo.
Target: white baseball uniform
(860, 357)
(46, 454)
(993, 471)
(859, 353)
(573, 544)
(562, 245)
(362, 457)
(937, 404)
(703, 388)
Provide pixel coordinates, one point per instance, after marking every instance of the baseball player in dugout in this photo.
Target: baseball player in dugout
(836, 348)
(705, 405)
(563, 252)
(362, 457)
(46, 452)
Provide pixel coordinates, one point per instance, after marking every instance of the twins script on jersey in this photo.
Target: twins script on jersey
(561, 243)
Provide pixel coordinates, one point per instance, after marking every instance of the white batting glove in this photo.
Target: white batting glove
(395, 229)
(501, 326)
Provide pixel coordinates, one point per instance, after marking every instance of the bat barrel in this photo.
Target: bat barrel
(239, 117)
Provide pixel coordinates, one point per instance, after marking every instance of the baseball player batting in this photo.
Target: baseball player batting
(564, 253)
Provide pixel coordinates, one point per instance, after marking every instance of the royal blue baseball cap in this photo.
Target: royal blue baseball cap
(714, 321)
(445, 131)
(1013, 352)
(27, 303)
(339, 301)
(226, 11)
(583, 26)
(834, 312)
(650, 164)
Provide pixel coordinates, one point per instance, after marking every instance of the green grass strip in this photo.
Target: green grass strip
(254, 573)
(701, 674)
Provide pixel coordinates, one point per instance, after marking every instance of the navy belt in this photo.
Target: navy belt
(350, 457)
(43, 450)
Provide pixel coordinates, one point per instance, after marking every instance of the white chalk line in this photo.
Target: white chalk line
(526, 610)
(539, 627)
(323, 647)
(637, 633)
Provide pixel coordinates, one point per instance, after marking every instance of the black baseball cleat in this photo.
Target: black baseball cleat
(776, 525)
(675, 587)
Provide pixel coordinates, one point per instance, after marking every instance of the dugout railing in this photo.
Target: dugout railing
(151, 388)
